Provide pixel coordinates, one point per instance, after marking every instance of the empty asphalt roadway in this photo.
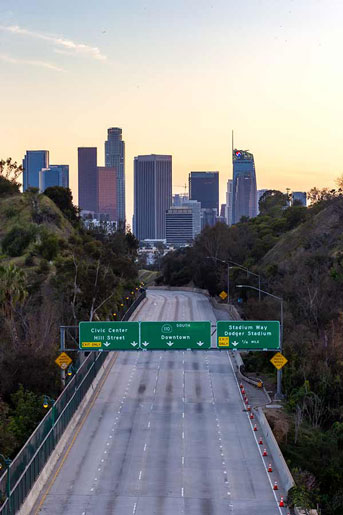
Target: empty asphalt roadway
(167, 435)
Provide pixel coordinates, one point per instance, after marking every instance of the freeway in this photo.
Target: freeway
(166, 435)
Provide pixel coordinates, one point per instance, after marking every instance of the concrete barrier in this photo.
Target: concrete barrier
(285, 475)
(180, 288)
(229, 308)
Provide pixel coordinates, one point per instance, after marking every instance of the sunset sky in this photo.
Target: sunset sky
(177, 76)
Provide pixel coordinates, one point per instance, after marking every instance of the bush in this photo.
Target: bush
(49, 246)
(18, 239)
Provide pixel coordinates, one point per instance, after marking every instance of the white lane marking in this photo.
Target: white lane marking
(258, 447)
(182, 492)
(145, 446)
(183, 434)
(140, 475)
(183, 460)
(149, 424)
(134, 508)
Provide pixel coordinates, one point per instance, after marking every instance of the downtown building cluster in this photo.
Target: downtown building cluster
(159, 216)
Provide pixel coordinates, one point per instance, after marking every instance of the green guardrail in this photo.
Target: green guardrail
(30, 461)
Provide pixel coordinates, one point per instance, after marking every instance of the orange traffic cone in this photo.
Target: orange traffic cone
(282, 504)
(241, 386)
(270, 468)
(265, 452)
(246, 401)
(275, 486)
(248, 408)
(243, 391)
(260, 441)
(251, 416)
(255, 427)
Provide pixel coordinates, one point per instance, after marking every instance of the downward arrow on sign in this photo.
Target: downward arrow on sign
(134, 344)
(145, 343)
(200, 343)
(107, 344)
(234, 343)
(170, 343)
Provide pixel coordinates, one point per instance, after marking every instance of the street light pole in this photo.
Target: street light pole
(279, 394)
(7, 462)
(237, 265)
(228, 283)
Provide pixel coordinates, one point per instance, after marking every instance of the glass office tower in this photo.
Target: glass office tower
(152, 195)
(115, 158)
(244, 191)
(55, 175)
(204, 187)
(33, 163)
(107, 192)
(88, 178)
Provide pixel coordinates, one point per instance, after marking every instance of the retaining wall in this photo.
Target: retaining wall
(279, 461)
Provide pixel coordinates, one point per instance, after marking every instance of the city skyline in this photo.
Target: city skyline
(177, 78)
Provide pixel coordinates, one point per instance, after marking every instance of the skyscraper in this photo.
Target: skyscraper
(244, 185)
(152, 195)
(107, 192)
(228, 206)
(179, 225)
(88, 178)
(55, 175)
(181, 200)
(33, 163)
(115, 158)
(204, 187)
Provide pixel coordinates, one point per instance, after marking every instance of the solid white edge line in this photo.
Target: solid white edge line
(257, 444)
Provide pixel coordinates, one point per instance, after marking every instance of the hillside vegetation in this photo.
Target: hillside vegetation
(52, 272)
(298, 252)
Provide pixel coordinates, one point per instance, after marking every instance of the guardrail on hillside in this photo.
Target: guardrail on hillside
(29, 462)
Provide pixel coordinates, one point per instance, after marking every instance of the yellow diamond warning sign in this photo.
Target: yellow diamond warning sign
(223, 295)
(223, 341)
(63, 361)
(279, 360)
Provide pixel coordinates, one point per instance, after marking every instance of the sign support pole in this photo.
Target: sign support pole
(279, 393)
(62, 346)
(228, 283)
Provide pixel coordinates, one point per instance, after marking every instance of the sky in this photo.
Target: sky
(177, 76)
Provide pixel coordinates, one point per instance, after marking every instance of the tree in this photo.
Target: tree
(13, 292)
(63, 199)
(273, 202)
(10, 170)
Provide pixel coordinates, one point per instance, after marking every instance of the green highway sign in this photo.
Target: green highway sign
(248, 335)
(175, 335)
(109, 335)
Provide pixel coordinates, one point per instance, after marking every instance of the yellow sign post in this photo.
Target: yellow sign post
(279, 360)
(223, 295)
(63, 361)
